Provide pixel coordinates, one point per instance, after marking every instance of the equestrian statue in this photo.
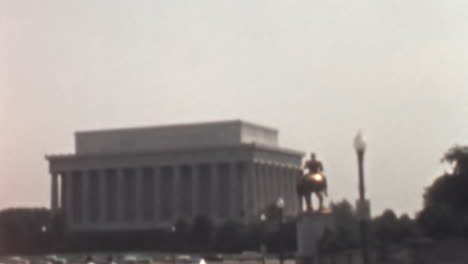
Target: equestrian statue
(313, 181)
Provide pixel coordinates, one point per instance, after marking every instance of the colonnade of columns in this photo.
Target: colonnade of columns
(149, 194)
(272, 181)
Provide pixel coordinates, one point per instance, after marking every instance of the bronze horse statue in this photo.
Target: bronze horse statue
(312, 183)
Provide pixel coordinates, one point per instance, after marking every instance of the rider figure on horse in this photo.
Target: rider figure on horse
(313, 165)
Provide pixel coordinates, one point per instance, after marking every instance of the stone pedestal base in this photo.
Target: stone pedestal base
(310, 228)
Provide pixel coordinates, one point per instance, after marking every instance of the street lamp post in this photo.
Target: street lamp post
(280, 204)
(362, 204)
(173, 232)
(44, 238)
(262, 238)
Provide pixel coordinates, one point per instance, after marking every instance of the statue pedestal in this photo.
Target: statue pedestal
(310, 228)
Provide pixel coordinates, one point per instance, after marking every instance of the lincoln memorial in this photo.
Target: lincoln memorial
(149, 177)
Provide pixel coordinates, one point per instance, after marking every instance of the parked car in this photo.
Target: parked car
(54, 259)
(214, 257)
(16, 260)
(196, 260)
(250, 255)
(132, 259)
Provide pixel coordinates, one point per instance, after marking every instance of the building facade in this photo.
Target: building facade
(145, 178)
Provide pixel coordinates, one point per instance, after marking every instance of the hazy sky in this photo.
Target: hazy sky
(316, 70)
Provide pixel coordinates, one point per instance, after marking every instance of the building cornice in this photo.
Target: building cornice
(252, 146)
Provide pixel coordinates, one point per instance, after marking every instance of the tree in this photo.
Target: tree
(346, 224)
(273, 213)
(386, 226)
(458, 156)
(230, 237)
(202, 232)
(445, 211)
(182, 234)
(407, 227)
(389, 228)
(22, 230)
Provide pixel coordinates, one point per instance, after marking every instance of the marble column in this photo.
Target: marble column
(276, 183)
(292, 191)
(239, 174)
(62, 195)
(157, 189)
(119, 196)
(291, 188)
(63, 191)
(76, 186)
(268, 184)
(255, 175)
(103, 196)
(261, 187)
(139, 195)
(85, 196)
(176, 212)
(214, 190)
(276, 179)
(249, 190)
(234, 191)
(205, 189)
(297, 174)
(286, 184)
(195, 190)
(252, 180)
(54, 191)
(67, 182)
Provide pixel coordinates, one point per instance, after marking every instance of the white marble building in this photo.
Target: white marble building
(143, 178)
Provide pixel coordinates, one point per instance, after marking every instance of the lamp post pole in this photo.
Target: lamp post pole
(362, 205)
(280, 204)
(45, 240)
(262, 237)
(173, 233)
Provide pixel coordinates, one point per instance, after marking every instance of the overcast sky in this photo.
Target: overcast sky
(316, 70)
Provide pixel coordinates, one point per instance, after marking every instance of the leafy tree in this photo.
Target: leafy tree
(458, 156)
(273, 213)
(389, 228)
(445, 211)
(280, 236)
(439, 221)
(182, 234)
(408, 227)
(230, 237)
(346, 224)
(386, 226)
(344, 233)
(25, 230)
(255, 235)
(287, 235)
(202, 232)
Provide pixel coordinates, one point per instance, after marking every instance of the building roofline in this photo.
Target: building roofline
(51, 157)
(179, 125)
